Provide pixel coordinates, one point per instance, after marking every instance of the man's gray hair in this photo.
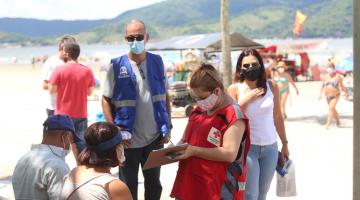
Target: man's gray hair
(133, 21)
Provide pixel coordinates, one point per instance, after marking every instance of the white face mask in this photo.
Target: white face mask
(66, 151)
(330, 70)
(208, 103)
(63, 152)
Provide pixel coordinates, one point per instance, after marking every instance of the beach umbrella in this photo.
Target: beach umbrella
(346, 65)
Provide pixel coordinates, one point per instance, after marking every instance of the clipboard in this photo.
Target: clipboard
(163, 156)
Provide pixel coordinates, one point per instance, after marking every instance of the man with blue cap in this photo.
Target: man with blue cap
(40, 172)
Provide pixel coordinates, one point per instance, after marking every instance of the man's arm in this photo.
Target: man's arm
(108, 90)
(46, 74)
(45, 84)
(106, 106)
(52, 88)
(92, 83)
(90, 90)
(168, 106)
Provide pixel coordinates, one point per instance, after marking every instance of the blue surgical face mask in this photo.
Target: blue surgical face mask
(137, 47)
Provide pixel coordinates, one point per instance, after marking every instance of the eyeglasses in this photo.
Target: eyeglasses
(132, 38)
(248, 65)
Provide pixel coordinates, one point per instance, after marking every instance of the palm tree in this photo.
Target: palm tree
(225, 43)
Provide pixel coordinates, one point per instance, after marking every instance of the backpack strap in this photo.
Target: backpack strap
(238, 168)
(223, 117)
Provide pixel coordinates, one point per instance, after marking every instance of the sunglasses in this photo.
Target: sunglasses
(248, 65)
(132, 38)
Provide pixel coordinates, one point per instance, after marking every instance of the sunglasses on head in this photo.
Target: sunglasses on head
(132, 38)
(248, 65)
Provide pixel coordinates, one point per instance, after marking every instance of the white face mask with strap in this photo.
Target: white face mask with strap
(208, 103)
(330, 70)
(66, 151)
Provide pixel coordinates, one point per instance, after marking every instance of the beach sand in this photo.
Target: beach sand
(323, 158)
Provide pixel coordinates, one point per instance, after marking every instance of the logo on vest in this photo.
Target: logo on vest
(123, 72)
(214, 136)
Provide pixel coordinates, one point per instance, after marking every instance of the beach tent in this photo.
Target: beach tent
(207, 42)
(296, 47)
(346, 65)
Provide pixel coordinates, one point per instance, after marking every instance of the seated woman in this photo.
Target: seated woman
(215, 138)
(331, 88)
(282, 79)
(92, 178)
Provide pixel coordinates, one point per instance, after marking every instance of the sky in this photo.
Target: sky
(69, 9)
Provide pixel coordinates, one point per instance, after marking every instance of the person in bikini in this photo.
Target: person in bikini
(331, 88)
(282, 79)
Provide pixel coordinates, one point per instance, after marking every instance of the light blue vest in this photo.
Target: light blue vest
(124, 96)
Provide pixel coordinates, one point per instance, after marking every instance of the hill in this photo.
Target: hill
(36, 27)
(255, 19)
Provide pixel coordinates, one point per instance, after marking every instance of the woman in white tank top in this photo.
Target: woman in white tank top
(260, 100)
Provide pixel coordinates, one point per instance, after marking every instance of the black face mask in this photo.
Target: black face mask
(251, 74)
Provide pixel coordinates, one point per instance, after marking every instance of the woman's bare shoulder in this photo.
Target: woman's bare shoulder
(119, 190)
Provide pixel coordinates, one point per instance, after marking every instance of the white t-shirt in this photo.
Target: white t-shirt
(48, 68)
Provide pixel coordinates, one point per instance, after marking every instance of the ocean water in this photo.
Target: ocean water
(23, 55)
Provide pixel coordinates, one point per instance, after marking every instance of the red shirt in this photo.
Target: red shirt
(197, 178)
(73, 82)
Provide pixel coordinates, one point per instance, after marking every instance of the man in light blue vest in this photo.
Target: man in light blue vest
(135, 98)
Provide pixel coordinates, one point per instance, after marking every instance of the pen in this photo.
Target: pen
(171, 141)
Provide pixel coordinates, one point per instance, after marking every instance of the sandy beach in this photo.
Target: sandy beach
(323, 157)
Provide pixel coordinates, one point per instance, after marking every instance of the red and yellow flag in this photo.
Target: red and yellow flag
(299, 20)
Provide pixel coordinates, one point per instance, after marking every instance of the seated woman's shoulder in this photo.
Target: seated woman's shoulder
(119, 190)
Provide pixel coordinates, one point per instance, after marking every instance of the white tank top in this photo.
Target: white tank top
(93, 189)
(261, 116)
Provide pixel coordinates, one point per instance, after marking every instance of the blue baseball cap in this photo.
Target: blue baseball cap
(59, 122)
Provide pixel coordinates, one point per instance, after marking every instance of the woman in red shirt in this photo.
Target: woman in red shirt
(213, 162)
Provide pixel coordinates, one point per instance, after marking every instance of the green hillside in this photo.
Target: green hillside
(255, 19)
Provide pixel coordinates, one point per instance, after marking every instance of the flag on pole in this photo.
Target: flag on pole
(299, 20)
